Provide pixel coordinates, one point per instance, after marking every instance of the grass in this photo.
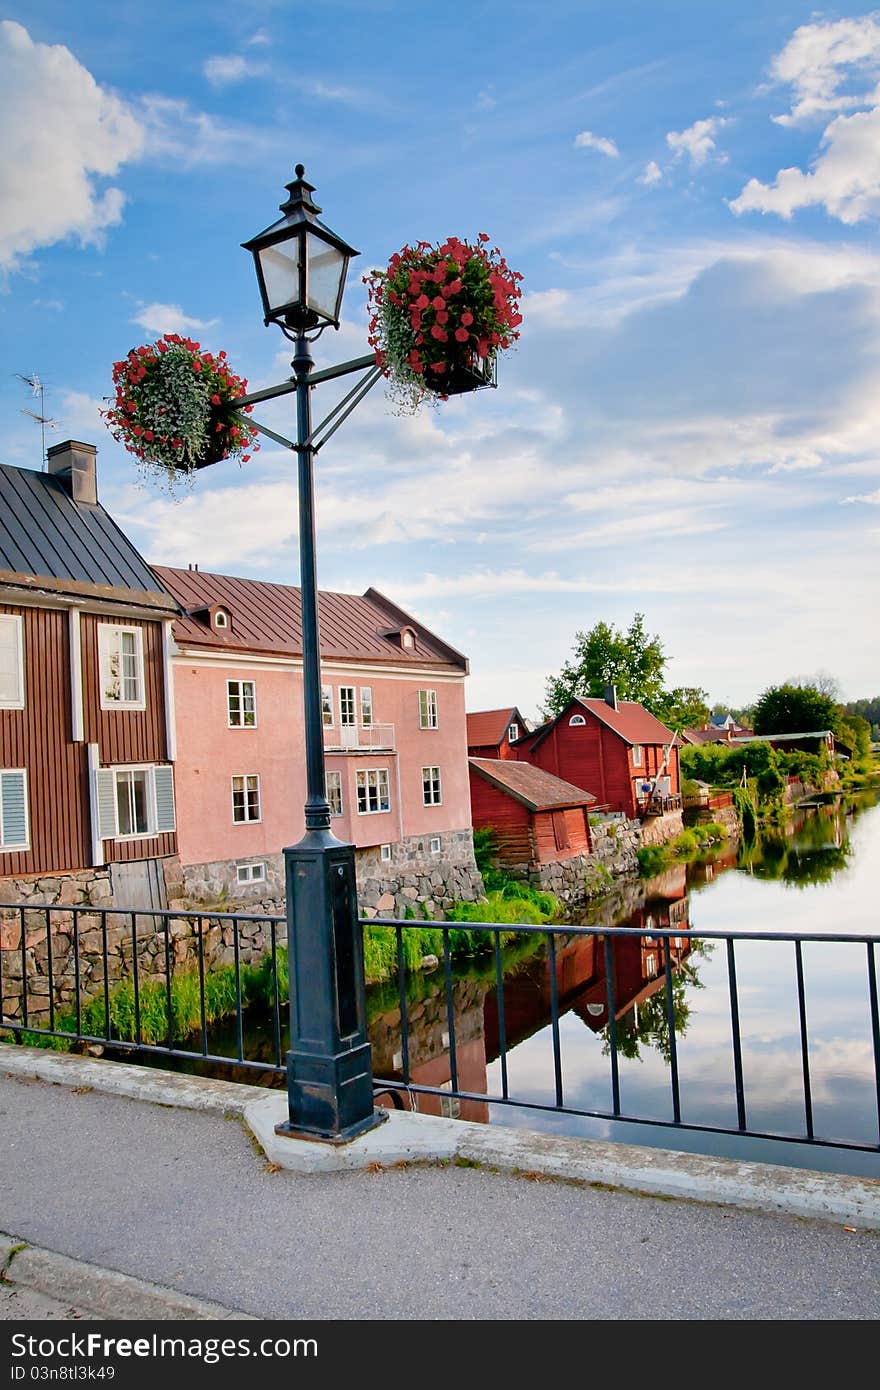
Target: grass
(653, 859)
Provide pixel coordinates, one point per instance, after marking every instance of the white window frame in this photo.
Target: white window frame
(246, 819)
(637, 754)
(385, 853)
(407, 639)
(366, 707)
(241, 706)
(221, 618)
(432, 790)
(14, 620)
(512, 732)
(6, 848)
(327, 706)
(152, 812)
(380, 774)
(250, 873)
(577, 721)
(347, 696)
(337, 776)
(436, 844)
(107, 677)
(429, 710)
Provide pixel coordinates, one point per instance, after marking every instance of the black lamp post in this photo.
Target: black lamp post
(301, 267)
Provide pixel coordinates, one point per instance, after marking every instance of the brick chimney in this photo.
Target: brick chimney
(73, 464)
(611, 696)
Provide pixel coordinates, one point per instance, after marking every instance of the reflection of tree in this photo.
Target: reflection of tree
(817, 849)
(647, 1024)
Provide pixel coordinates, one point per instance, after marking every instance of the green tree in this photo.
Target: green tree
(794, 709)
(631, 660)
(856, 732)
(684, 707)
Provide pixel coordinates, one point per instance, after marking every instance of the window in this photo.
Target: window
(637, 755)
(436, 844)
(372, 791)
(242, 701)
(427, 709)
(407, 639)
(221, 618)
(334, 792)
(347, 716)
(385, 853)
(327, 703)
(513, 733)
(576, 721)
(245, 799)
(366, 706)
(431, 785)
(121, 662)
(250, 873)
(134, 801)
(14, 810)
(11, 663)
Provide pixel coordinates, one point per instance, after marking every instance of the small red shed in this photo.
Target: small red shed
(491, 733)
(612, 748)
(536, 818)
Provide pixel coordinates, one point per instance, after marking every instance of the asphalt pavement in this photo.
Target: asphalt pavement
(187, 1202)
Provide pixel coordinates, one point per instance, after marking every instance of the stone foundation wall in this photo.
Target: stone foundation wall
(657, 830)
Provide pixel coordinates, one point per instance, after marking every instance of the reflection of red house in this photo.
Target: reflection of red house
(535, 817)
(492, 732)
(612, 748)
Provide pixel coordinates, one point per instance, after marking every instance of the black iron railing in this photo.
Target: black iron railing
(169, 984)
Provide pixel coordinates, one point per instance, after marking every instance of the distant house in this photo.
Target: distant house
(536, 817)
(722, 728)
(87, 736)
(812, 742)
(491, 733)
(394, 738)
(612, 748)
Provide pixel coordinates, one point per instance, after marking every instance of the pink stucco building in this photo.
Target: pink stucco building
(394, 736)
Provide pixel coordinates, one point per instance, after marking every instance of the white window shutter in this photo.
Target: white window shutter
(13, 801)
(105, 796)
(163, 781)
(10, 660)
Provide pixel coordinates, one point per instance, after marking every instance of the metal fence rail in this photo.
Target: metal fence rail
(157, 983)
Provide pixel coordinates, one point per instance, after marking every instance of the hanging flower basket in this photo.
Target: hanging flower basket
(439, 317)
(174, 407)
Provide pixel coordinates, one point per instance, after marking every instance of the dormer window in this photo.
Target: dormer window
(407, 639)
(221, 618)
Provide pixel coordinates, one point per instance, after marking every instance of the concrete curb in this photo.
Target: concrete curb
(103, 1292)
(414, 1138)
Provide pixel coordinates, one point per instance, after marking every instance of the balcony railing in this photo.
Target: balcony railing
(659, 805)
(354, 738)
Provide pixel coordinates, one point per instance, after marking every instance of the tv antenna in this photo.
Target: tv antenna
(42, 419)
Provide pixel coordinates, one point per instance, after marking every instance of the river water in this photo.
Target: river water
(820, 875)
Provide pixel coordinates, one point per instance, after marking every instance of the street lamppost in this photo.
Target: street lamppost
(301, 268)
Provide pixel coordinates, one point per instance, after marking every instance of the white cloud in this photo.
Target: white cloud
(588, 141)
(225, 69)
(845, 179)
(818, 59)
(177, 134)
(652, 174)
(698, 141)
(872, 498)
(169, 318)
(826, 64)
(64, 134)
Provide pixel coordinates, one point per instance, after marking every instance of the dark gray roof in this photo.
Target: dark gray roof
(45, 534)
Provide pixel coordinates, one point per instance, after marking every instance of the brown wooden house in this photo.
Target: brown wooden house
(612, 748)
(535, 817)
(86, 717)
(492, 733)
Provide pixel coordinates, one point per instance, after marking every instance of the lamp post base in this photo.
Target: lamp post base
(330, 1098)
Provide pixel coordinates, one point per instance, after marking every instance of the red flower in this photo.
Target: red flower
(197, 366)
(422, 302)
(461, 335)
(439, 367)
(148, 434)
(483, 236)
(438, 333)
(438, 302)
(467, 318)
(215, 399)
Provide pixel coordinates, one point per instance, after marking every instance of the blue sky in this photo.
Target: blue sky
(688, 427)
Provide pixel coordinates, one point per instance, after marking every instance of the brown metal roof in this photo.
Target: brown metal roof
(535, 788)
(266, 617)
(486, 728)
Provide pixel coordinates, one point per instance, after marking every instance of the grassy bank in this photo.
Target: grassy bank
(653, 859)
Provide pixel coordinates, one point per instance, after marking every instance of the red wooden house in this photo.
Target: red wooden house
(612, 748)
(536, 818)
(86, 717)
(491, 733)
